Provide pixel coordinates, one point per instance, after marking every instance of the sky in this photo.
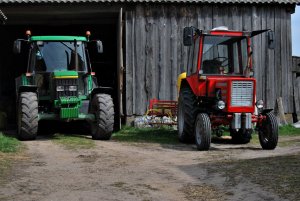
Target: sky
(296, 31)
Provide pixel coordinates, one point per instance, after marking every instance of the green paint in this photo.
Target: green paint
(64, 73)
(82, 97)
(58, 38)
(90, 84)
(67, 113)
(24, 80)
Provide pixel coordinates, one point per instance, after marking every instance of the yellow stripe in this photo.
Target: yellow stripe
(66, 77)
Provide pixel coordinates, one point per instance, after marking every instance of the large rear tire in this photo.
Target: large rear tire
(202, 132)
(268, 132)
(27, 116)
(187, 111)
(103, 108)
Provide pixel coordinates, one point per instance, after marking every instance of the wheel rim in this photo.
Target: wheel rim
(197, 131)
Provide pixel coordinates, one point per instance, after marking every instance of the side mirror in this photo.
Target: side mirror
(188, 33)
(99, 46)
(17, 47)
(271, 40)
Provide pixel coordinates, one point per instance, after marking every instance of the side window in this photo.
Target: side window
(193, 57)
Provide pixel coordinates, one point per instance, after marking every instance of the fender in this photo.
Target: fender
(29, 88)
(103, 90)
(181, 77)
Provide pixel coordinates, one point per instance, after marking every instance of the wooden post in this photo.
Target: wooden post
(279, 111)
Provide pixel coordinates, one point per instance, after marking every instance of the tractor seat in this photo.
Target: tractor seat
(211, 66)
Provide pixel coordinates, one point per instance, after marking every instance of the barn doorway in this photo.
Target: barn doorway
(103, 26)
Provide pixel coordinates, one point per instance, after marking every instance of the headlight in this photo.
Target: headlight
(220, 104)
(72, 88)
(60, 88)
(259, 104)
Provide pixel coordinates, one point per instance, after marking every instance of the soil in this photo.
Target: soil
(136, 171)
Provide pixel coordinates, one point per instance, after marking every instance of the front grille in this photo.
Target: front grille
(66, 83)
(242, 93)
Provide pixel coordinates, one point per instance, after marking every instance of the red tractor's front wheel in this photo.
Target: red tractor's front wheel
(268, 132)
(202, 132)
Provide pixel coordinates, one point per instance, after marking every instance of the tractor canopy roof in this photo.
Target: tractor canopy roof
(224, 31)
(58, 38)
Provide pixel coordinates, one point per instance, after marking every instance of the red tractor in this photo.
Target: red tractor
(218, 89)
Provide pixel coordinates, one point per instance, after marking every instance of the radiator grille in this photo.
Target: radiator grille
(66, 83)
(242, 93)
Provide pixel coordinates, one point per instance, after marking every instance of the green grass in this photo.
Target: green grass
(8, 144)
(163, 135)
(74, 142)
(289, 130)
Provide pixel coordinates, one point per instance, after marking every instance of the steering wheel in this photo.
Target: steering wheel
(222, 60)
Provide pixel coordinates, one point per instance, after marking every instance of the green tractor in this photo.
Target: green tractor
(59, 84)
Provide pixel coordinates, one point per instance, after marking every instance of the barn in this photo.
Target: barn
(143, 49)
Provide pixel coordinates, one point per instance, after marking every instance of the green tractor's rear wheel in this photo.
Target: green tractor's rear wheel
(103, 108)
(202, 132)
(268, 132)
(187, 111)
(27, 116)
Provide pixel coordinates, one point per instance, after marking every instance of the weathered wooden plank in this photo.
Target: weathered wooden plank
(289, 64)
(150, 65)
(162, 54)
(277, 65)
(270, 73)
(129, 63)
(140, 61)
(264, 59)
(174, 65)
(284, 58)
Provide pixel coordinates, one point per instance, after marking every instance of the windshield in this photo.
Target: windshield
(49, 56)
(224, 55)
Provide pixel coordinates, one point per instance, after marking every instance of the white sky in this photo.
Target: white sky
(296, 31)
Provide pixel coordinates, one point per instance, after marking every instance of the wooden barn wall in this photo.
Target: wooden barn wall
(296, 85)
(155, 55)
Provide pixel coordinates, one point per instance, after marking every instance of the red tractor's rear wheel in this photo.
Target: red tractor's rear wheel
(187, 111)
(202, 132)
(268, 132)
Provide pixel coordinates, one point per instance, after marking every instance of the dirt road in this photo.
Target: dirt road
(136, 171)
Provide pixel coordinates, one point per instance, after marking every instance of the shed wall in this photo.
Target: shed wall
(155, 55)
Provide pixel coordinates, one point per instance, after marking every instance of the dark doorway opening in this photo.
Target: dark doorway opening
(104, 65)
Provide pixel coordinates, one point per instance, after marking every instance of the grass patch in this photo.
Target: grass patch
(73, 142)
(279, 174)
(9, 144)
(289, 130)
(163, 135)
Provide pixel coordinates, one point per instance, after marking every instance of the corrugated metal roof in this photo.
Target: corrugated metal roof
(166, 1)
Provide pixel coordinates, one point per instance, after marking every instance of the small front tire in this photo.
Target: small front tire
(268, 132)
(202, 132)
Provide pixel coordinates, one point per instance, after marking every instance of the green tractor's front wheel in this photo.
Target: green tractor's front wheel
(27, 116)
(103, 109)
